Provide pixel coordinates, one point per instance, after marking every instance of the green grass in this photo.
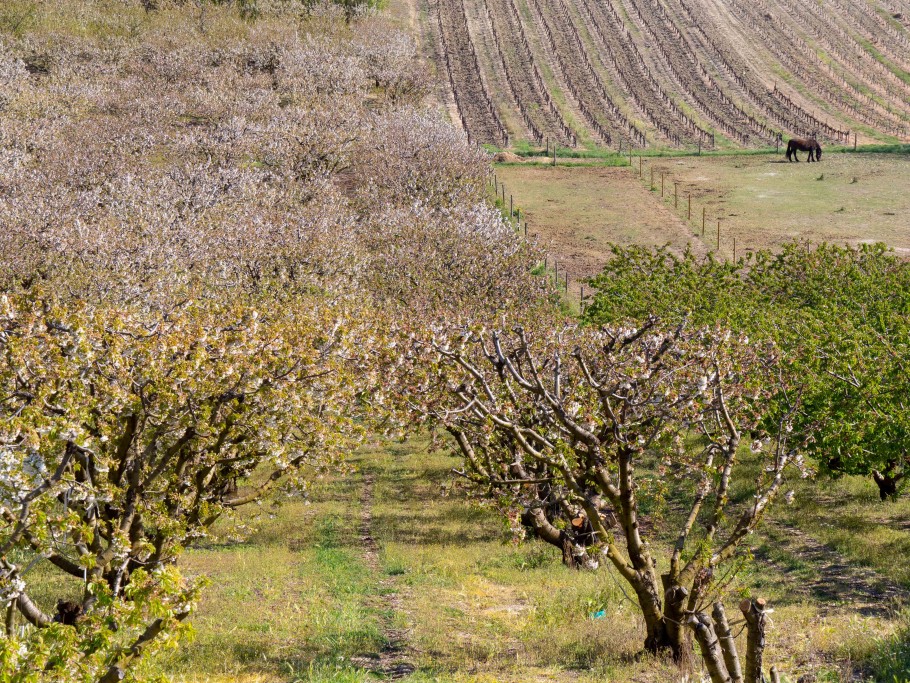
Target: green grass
(847, 514)
(293, 600)
(890, 657)
(297, 600)
(897, 148)
(763, 201)
(605, 154)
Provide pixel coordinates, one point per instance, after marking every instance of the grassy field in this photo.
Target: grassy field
(762, 202)
(579, 211)
(301, 601)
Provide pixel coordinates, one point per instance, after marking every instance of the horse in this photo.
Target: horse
(804, 145)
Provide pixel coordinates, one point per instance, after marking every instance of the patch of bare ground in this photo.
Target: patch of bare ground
(392, 662)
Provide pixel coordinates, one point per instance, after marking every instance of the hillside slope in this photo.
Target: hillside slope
(674, 73)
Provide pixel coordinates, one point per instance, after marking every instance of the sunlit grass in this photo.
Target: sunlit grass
(290, 601)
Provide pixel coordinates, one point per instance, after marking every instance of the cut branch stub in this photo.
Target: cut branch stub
(754, 612)
(711, 653)
(727, 643)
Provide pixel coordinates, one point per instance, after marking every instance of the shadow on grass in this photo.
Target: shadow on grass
(427, 527)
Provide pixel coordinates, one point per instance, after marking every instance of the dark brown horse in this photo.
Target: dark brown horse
(804, 145)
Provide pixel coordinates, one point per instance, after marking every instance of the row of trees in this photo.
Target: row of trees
(229, 254)
(655, 434)
(217, 238)
(838, 315)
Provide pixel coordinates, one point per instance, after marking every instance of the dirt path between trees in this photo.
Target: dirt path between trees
(392, 662)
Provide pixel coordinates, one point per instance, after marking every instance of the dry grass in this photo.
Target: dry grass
(579, 212)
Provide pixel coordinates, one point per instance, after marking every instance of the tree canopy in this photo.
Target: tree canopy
(838, 314)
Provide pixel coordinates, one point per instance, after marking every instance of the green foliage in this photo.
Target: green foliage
(107, 634)
(839, 315)
(17, 18)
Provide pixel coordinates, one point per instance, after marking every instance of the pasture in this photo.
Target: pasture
(578, 211)
(762, 201)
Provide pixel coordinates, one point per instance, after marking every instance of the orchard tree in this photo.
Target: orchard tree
(838, 315)
(125, 434)
(579, 425)
(207, 248)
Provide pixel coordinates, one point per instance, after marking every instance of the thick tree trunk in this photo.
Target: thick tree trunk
(887, 483)
(674, 617)
(663, 634)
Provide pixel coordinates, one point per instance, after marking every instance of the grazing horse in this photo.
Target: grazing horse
(804, 145)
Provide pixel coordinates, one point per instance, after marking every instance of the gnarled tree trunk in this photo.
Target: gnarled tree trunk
(888, 482)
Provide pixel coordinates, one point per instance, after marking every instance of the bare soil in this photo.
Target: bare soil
(392, 662)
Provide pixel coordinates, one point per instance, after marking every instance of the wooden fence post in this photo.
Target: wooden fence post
(652, 178)
(639, 167)
(703, 212)
(675, 195)
(718, 234)
(689, 212)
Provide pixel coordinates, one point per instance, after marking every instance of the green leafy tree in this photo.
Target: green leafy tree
(838, 314)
